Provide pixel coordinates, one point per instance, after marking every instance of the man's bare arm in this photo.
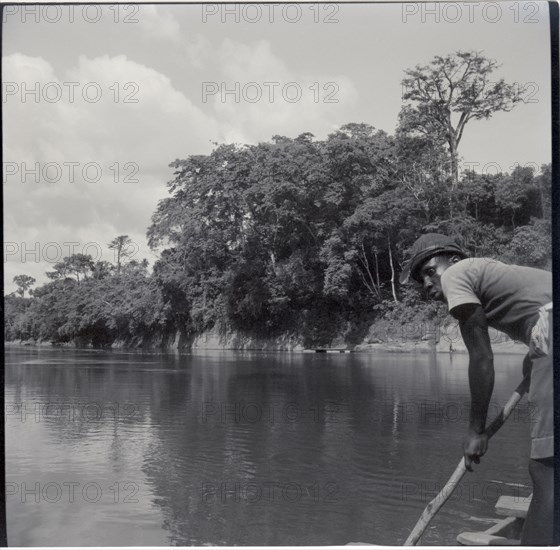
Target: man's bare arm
(474, 330)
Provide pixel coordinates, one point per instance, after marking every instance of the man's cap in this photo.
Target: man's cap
(426, 246)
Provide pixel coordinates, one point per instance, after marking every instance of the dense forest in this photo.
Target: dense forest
(303, 236)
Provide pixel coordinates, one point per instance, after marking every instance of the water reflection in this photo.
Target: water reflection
(248, 448)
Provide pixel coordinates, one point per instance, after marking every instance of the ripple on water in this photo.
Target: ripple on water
(356, 470)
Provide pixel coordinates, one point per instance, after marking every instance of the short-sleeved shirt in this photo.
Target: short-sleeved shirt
(510, 295)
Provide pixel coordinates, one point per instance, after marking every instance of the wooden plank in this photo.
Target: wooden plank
(506, 532)
(513, 506)
(484, 539)
(509, 527)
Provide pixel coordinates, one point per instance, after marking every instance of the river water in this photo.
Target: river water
(253, 448)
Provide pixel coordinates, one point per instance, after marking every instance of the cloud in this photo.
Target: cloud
(198, 51)
(158, 24)
(97, 156)
(101, 166)
(256, 95)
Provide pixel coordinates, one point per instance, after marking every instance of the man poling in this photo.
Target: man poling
(516, 300)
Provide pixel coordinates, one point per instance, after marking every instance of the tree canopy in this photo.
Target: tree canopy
(303, 236)
(448, 93)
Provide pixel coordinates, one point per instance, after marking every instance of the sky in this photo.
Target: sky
(97, 101)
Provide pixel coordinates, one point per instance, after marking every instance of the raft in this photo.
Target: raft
(506, 532)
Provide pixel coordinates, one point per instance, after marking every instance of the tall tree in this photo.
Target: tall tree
(24, 283)
(513, 194)
(79, 265)
(448, 93)
(121, 246)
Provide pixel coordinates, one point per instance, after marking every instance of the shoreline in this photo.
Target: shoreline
(501, 348)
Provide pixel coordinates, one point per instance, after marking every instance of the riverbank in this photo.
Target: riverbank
(429, 337)
(235, 342)
(508, 347)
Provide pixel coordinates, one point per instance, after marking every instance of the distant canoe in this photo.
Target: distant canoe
(328, 350)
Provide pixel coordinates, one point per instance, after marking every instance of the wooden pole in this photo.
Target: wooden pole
(434, 505)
